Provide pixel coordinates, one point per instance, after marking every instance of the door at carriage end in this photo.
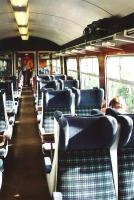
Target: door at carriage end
(25, 67)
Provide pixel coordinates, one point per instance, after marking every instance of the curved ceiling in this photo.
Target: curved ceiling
(61, 21)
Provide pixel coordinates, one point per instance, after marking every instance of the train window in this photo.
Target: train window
(89, 72)
(120, 82)
(56, 67)
(72, 67)
(44, 63)
(6, 65)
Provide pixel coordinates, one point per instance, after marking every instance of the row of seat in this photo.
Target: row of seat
(53, 77)
(89, 155)
(93, 157)
(68, 101)
(9, 102)
(53, 84)
(76, 101)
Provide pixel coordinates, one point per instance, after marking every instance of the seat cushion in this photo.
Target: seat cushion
(85, 175)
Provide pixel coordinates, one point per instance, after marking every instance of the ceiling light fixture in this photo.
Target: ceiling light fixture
(74, 50)
(19, 3)
(108, 44)
(23, 30)
(25, 36)
(129, 33)
(91, 48)
(21, 13)
(123, 39)
(22, 17)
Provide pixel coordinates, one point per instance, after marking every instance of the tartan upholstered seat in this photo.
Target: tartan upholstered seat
(3, 127)
(3, 120)
(86, 100)
(59, 76)
(68, 84)
(44, 77)
(55, 100)
(126, 160)
(8, 88)
(125, 154)
(44, 84)
(49, 84)
(38, 95)
(1, 170)
(84, 164)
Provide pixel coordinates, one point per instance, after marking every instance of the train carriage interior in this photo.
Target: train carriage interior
(61, 64)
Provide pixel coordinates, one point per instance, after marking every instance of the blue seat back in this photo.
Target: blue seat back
(125, 154)
(68, 84)
(55, 100)
(3, 122)
(84, 164)
(49, 84)
(7, 86)
(2, 106)
(126, 157)
(45, 78)
(86, 100)
(59, 76)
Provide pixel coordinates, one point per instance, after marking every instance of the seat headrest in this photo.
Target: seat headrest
(78, 133)
(59, 76)
(96, 112)
(88, 97)
(49, 84)
(46, 77)
(126, 127)
(71, 83)
(59, 98)
(126, 130)
(112, 112)
(58, 114)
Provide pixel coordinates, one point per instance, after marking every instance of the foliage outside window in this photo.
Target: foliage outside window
(89, 72)
(120, 81)
(72, 67)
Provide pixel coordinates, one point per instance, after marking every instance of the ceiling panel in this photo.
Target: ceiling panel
(61, 21)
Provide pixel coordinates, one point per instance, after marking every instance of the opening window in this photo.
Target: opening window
(120, 81)
(89, 72)
(72, 68)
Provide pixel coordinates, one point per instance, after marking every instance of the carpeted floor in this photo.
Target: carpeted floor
(23, 177)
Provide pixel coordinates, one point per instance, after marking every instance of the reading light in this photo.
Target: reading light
(23, 30)
(74, 50)
(127, 33)
(108, 44)
(67, 52)
(91, 48)
(123, 39)
(22, 17)
(19, 3)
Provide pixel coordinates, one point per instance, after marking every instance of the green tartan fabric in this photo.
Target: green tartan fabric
(85, 175)
(84, 111)
(126, 173)
(48, 122)
(3, 125)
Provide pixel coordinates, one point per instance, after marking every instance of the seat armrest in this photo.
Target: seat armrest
(39, 108)
(47, 164)
(47, 138)
(57, 196)
(3, 141)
